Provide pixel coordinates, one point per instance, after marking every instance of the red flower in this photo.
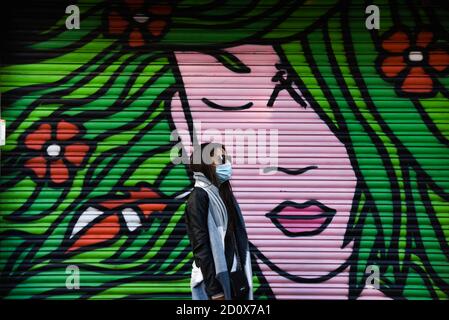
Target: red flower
(139, 22)
(413, 61)
(102, 220)
(60, 151)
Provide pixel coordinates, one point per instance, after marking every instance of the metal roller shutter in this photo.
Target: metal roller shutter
(355, 205)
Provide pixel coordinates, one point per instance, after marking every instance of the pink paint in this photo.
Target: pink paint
(298, 221)
(295, 226)
(304, 140)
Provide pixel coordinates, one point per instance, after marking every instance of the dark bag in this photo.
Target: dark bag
(239, 283)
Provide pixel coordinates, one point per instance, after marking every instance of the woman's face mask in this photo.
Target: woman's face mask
(223, 172)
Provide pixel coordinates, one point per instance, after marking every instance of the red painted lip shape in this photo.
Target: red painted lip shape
(301, 219)
(99, 221)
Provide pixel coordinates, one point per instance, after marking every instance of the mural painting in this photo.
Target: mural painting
(88, 181)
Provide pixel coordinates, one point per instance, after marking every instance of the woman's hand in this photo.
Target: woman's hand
(218, 296)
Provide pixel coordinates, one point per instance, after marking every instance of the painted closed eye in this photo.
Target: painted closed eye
(213, 105)
(289, 170)
(234, 64)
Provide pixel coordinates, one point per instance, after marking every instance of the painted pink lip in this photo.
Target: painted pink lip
(305, 219)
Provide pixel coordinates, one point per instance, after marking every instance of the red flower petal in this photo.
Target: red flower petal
(37, 138)
(393, 65)
(161, 10)
(424, 38)
(117, 25)
(58, 171)
(38, 165)
(66, 130)
(103, 230)
(418, 81)
(136, 38)
(156, 27)
(75, 153)
(134, 4)
(398, 42)
(439, 59)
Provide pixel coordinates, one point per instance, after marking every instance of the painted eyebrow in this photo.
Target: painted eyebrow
(230, 61)
(213, 105)
(285, 84)
(234, 64)
(289, 171)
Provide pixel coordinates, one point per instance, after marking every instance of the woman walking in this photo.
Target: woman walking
(221, 269)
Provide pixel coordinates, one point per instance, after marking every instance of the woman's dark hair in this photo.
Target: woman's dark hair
(200, 161)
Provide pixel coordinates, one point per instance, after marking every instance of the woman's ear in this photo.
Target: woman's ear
(181, 124)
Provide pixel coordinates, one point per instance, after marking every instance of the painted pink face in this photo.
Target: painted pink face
(296, 217)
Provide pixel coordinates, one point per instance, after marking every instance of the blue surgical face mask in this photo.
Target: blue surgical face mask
(223, 172)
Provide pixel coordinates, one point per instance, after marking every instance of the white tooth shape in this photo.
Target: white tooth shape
(131, 218)
(85, 218)
(140, 18)
(184, 194)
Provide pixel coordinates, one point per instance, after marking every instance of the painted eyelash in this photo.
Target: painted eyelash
(284, 82)
(213, 105)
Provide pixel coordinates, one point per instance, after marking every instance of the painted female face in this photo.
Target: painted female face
(296, 216)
